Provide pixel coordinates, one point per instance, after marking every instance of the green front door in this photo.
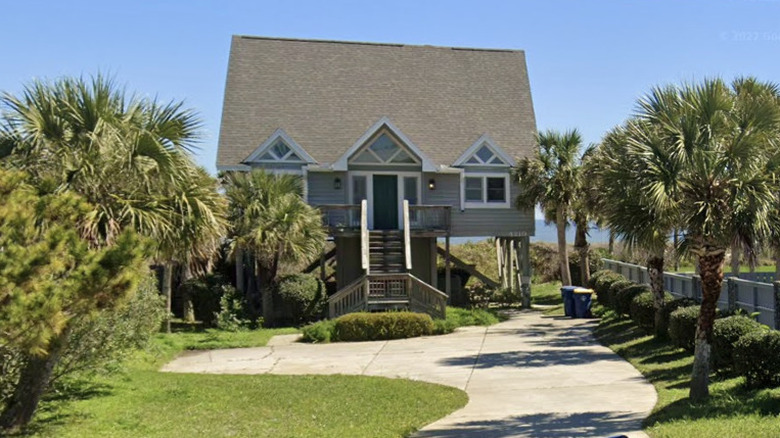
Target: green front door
(385, 202)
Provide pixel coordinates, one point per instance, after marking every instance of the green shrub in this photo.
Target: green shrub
(610, 297)
(479, 295)
(205, 293)
(643, 310)
(725, 334)
(232, 315)
(682, 327)
(382, 326)
(602, 285)
(444, 326)
(670, 307)
(301, 298)
(320, 332)
(623, 297)
(506, 296)
(756, 357)
(596, 275)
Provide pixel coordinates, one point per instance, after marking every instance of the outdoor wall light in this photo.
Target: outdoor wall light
(337, 184)
(431, 184)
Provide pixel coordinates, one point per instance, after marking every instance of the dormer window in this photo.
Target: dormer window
(484, 153)
(486, 157)
(384, 149)
(279, 149)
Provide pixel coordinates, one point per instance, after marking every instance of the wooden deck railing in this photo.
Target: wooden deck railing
(352, 298)
(340, 216)
(390, 288)
(429, 217)
(426, 298)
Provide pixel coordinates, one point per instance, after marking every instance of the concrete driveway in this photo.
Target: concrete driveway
(530, 376)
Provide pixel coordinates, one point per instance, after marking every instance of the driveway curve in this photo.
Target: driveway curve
(530, 376)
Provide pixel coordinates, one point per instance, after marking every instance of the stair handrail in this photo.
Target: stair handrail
(428, 298)
(407, 237)
(364, 243)
(355, 294)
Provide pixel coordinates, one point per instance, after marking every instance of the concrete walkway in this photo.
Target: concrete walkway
(530, 376)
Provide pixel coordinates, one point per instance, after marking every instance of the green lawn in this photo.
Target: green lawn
(548, 294)
(731, 410)
(142, 402)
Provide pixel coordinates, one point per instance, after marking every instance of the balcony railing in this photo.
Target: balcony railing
(425, 218)
(429, 217)
(340, 216)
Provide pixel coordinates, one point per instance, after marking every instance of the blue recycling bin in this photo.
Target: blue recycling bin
(582, 298)
(567, 293)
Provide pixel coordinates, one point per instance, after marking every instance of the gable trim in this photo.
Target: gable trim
(485, 139)
(254, 157)
(342, 163)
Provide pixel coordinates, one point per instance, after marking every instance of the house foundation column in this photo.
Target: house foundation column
(447, 279)
(525, 268)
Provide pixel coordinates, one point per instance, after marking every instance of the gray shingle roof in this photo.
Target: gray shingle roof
(326, 94)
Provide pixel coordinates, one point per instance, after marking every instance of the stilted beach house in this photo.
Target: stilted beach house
(401, 147)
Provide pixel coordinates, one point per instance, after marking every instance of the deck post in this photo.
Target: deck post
(525, 266)
(447, 279)
(499, 260)
(434, 268)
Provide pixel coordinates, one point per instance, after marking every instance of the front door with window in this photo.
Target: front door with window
(385, 202)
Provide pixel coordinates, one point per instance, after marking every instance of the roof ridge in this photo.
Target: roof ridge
(369, 43)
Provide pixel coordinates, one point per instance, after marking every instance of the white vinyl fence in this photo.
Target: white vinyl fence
(752, 296)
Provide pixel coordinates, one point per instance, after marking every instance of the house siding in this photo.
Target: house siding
(321, 191)
(474, 222)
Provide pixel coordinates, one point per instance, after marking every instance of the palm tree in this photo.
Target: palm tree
(551, 179)
(721, 141)
(272, 223)
(630, 168)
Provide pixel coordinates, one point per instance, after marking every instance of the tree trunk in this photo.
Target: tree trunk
(611, 245)
(735, 259)
(676, 257)
(33, 382)
(711, 268)
(655, 269)
(581, 244)
(188, 310)
(167, 285)
(265, 286)
(563, 256)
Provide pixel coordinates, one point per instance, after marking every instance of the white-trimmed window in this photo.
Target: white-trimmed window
(486, 190)
(384, 150)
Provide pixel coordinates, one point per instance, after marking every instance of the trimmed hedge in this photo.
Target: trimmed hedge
(725, 334)
(602, 285)
(596, 275)
(612, 293)
(622, 299)
(682, 327)
(756, 357)
(382, 326)
(643, 310)
(670, 307)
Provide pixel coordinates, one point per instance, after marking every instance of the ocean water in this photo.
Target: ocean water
(548, 233)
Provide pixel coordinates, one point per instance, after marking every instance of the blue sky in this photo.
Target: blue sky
(588, 61)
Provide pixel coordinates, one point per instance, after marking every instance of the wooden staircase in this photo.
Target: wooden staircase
(386, 253)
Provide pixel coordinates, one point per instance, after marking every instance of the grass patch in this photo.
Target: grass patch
(548, 294)
(211, 339)
(142, 402)
(731, 411)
